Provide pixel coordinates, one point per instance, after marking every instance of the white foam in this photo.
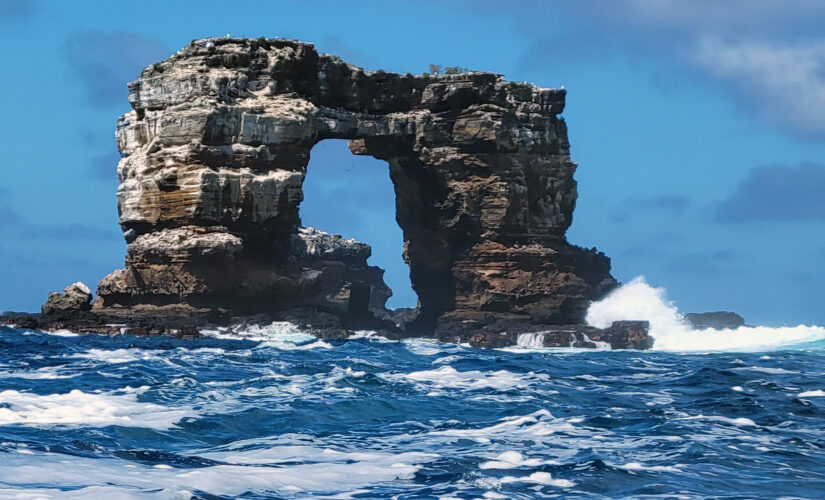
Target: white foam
(61, 333)
(108, 492)
(740, 422)
(117, 356)
(636, 466)
(425, 347)
(337, 472)
(370, 335)
(766, 369)
(530, 340)
(78, 408)
(637, 300)
(538, 424)
(45, 373)
(819, 393)
(447, 377)
(512, 460)
(281, 335)
(539, 478)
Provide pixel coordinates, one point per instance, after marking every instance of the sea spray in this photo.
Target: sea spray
(531, 340)
(637, 300)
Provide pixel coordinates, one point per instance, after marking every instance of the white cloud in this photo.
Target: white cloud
(768, 55)
(783, 83)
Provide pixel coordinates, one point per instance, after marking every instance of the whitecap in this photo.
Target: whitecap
(45, 373)
(513, 460)
(369, 335)
(740, 421)
(425, 347)
(118, 356)
(278, 334)
(61, 333)
(636, 466)
(77, 408)
(337, 472)
(447, 377)
(766, 369)
(544, 478)
(535, 425)
(819, 393)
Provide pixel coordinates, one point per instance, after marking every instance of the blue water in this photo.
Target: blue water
(281, 415)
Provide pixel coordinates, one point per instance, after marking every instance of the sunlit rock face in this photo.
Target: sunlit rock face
(215, 151)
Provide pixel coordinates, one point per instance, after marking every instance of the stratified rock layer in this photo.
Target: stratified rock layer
(215, 151)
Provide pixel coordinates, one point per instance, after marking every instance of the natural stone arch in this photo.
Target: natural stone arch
(215, 151)
(354, 196)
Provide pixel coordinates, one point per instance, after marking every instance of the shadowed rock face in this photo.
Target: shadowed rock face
(215, 151)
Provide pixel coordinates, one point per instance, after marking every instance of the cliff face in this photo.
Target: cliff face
(215, 151)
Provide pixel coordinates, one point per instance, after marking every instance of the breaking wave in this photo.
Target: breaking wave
(637, 300)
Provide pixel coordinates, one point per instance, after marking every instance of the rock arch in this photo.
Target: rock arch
(214, 154)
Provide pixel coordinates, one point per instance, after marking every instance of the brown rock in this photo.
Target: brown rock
(75, 298)
(214, 154)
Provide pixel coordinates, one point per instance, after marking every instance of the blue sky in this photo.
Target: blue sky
(698, 128)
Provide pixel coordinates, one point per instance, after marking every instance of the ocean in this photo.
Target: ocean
(271, 412)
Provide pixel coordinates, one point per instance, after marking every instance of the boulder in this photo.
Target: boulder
(718, 320)
(75, 298)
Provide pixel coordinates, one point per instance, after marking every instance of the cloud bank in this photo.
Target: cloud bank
(768, 56)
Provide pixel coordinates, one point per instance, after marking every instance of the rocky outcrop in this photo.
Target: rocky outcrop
(619, 335)
(718, 320)
(215, 151)
(194, 271)
(75, 297)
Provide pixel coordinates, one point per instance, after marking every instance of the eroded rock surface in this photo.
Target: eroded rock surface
(215, 151)
(214, 154)
(75, 298)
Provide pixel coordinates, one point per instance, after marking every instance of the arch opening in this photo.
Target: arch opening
(349, 195)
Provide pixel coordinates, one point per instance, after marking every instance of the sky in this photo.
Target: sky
(698, 127)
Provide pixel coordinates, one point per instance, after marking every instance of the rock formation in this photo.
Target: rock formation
(75, 297)
(619, 335)
(215, 151)
(216, 148)
(718, 320)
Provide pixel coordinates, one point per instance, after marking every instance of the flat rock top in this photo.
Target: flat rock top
(242, 68)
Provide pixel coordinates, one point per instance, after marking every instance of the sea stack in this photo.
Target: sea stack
(214, 154)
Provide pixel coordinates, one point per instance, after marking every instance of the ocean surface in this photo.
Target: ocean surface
(270, 412)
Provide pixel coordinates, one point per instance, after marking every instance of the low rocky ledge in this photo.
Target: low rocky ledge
(619, 335)
(72, 311)
(324, 325)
